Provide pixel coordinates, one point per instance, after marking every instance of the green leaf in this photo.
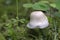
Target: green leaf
(28, 5)
(58, 4)
(53, 5)
(40, 6)
(43, 2)
(10, 31)
(22, 20)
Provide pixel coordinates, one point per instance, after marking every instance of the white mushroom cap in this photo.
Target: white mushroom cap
(38, 20)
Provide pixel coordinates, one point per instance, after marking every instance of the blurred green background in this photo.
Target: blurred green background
(14, 15)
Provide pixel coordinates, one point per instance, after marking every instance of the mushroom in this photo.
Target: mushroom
(38, 20)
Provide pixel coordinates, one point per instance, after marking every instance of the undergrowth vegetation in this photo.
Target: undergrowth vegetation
(15, 14)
